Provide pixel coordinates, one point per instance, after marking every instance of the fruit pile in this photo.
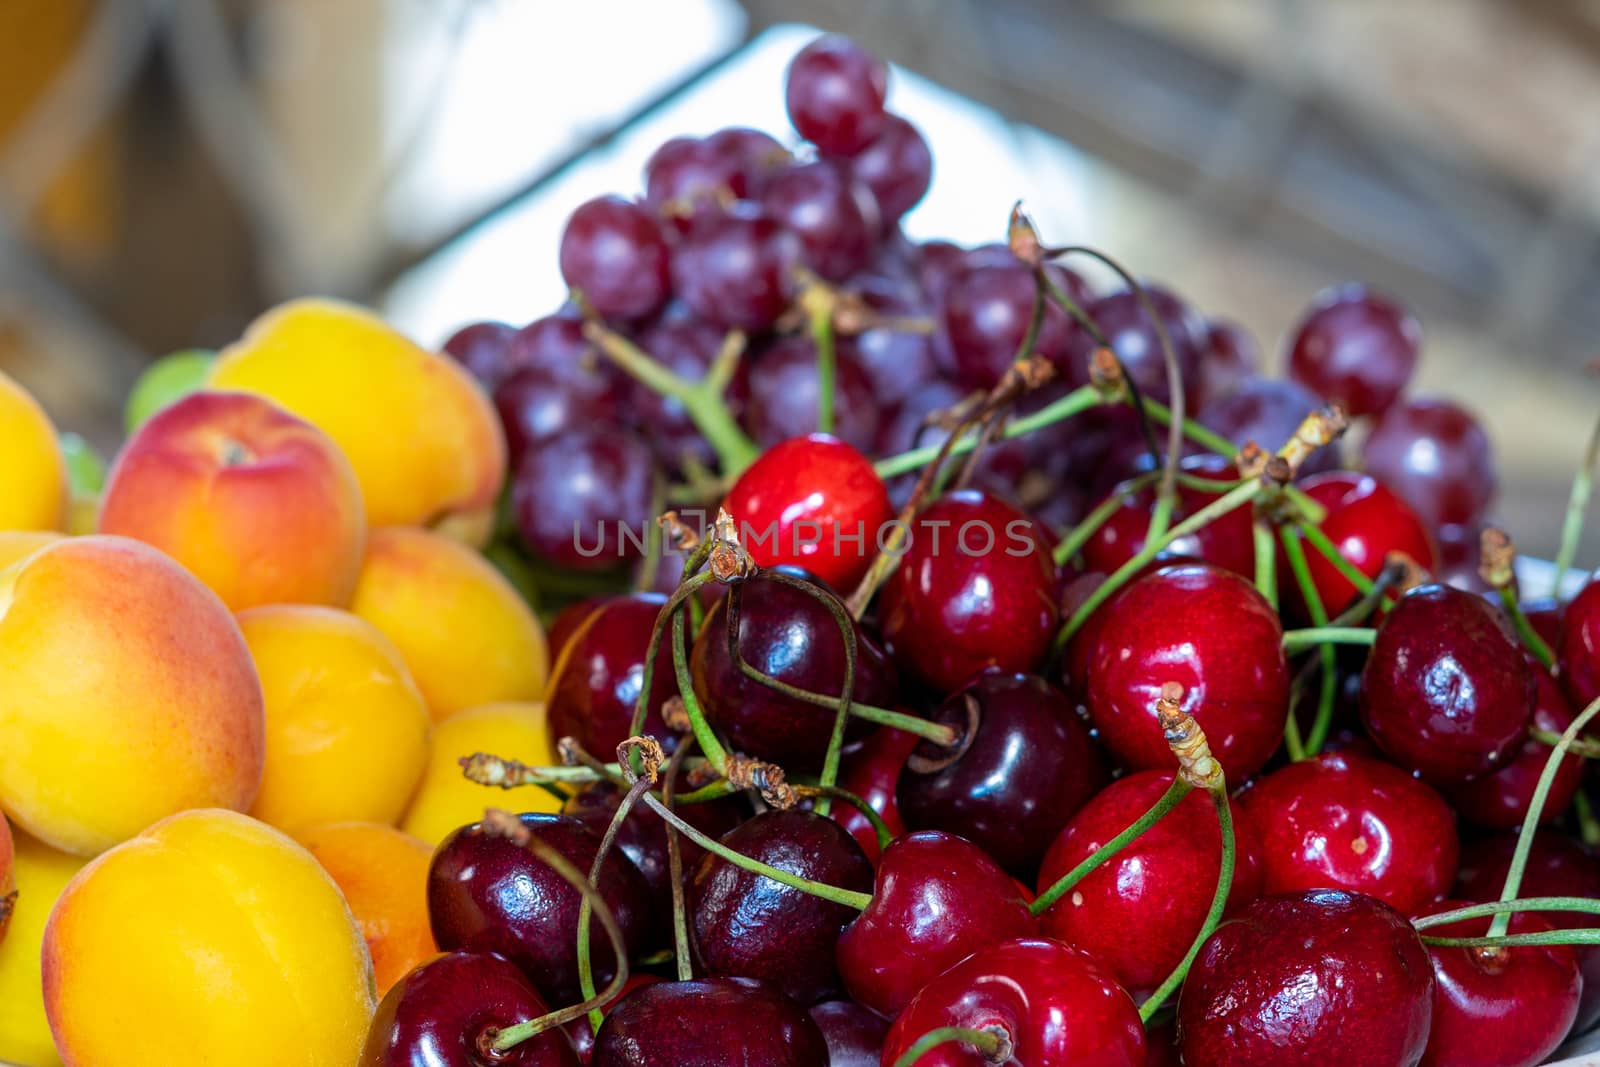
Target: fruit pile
(950, 661)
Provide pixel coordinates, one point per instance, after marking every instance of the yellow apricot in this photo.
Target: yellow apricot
(33, 472)
(446, 800)
(41, 874)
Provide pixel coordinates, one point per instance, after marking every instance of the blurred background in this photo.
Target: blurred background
(170, 168)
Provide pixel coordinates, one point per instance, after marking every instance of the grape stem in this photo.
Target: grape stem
(818, 303)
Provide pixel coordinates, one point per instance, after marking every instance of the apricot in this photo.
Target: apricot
(41, 874)
(8, 883)
(209, 938)
(19, 544)
(424, 440)
(466, 634)
(446, 800)
(33, 474)
(383, 873)
(347, 731)
(258, 504)
(126, 694)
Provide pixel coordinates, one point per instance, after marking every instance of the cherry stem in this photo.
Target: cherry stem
(1552, 937)
(992, 1043)
(1577, 502)
(704, 735)
(1076, 402)
(820, 317)
(585, 958)
(1330, 551)
(1586, 905)
(1530, 821)
(1219, 903)
(1266, 560)
(1329, 679)
(1530, 636)
(680, 910)
(1588, 825)
(1299, 640)
(690, 585)
(1583, 749)
(879, 827)
(1063, 885)
(1091, 523)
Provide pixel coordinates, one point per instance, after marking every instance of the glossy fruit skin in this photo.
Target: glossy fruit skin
(582, 1034)
(789, 635)
(1366, 521)
(1499, 800)
(1055, 1002)
(780, 391)
(613, 252)
(1501, 1008)
(749, 926)
(1122, 317)
(945, 614)
(997, 790)
(1267, 411)
(434, 1016)
(1225, 542)
(897, 166)
(734, 270)
(1580, 646)
(1343, 821)
(709, 1022)
(1434, 453)
(1356, 347)
(871, 770)
(487, 895)
(574, 489)
(986, 314)
(834, 91)
(1446, 691)
(1140, 911)
(1208, 630)
(854, 1034)
(596, 679)
(835, 216)
(828, 486)
(1308, 979)
(938, 899)
(536, 403)
(481, 348)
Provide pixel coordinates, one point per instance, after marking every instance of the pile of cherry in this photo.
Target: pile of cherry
(1148, 739)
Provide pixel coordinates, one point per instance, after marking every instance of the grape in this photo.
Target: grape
(613, 253)
(483, 348)
(538, 402)
(783, 395)
(748, 154)
(1268, 411)
(571, 492)
(834, 92)
(1437, 458)
(897, 166)
(735, 270)
(687, 348)
(1357, 347)
(938, 264)
(834, 216)
(1121, 317)
(1228, 358)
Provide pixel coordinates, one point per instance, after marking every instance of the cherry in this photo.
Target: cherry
(1210, 631)
(581, 498)
(1017, 776)
(748, 925)
(814, 502)
(1343, 821)
(854, 1034)
(1310, 978)
(1356, 347)
(710, 1022)
(735, 269)
(872, 772)
(568, 620)
(1499, 1007)
(938, 899)
(1499, 800)
(987, 311)
(595, 682)
(581, 1032)
(1139, 912)
(1580, 646)
(897, 166)
(975, 587)
(1225, 542)
(612, 251)
(834, 91)
(1055, 1004)
(1121, 316)
(783, 387)
(1366, 522)
(788, 634)
(482, 347)
(833, 214)
(1446, 691)
(1267, 411)
(1229, 359)
(1436, 456)
(445, 1012)
(487, 895)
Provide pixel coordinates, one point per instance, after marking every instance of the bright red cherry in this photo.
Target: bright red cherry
(1343, 821)
(854, 1034)
(1305, 980)
(1139, 912)
(596, 680)
(1499, 800)
(1210, 631)
(1580, 646)
(710, 1022)
(938, 899)
(834, 91)
(1366, 522)
(447, 1011)
(1225, 542)
(872, 772)
(1447, 691)
(1436, 456)
(813, 502)
(1055, 1003)
(975, 588)
(1499, 1007)
(1356, 347)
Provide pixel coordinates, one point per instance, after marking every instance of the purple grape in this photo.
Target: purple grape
(783, 395)
(1357, 347)
(686, 347)
(539, 402)
(834, 92)
(1121, 317)
(574, 493)
(834, 216)
(897, 166)
(483, 348)
(613, 253)
(735, 270)
(1267, 411)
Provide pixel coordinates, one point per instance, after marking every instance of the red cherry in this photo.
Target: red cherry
(1580, 646)
(1306, 980)
(938, 899)
(1225, 542)
(1502, 1007)
(1055, 1003)
(1434, 454)
(1356, 347)
(976, 587)
(1343, 821)
(711, 1022)
(595, 683)
(1208, 630)
(1365, 522)
(579, 1030)
(1499, 800)
(872, 772)
(1139, 912)
(1446, 691)
(854, 1034)
(813, 502)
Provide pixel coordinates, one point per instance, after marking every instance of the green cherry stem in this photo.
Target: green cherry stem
(690, 585)
(1584, 748)
(819, 315)
(680, 910)
(1572, 525)
(1585, 905)
(1219, 903)
(1330, 551)
(1588, 825)
(1076, 402)
(1167, 801)
(1266, 549)
(704, 735)
(879, 827)
(1329, 679)
(1552, 937)
(992, 1043)
(1200, 435)
(586, 911)
(1300, 640)
(1530, 636)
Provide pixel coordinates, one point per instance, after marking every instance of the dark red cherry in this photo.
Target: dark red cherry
(595, 682)
(788, 634)
(834, 91)
(975, 587)
(1434, 454)
(1140, 911)
(938, 899)
(445, 1014)
(482, 348)
(854, 1034)
(1499, 800)
(872, 772)
(1019, 776)
(1366, 522)
(1121, 316)
(1230, 358)
(1580, 646)
(749, 926)
(1054, 1002)
(710, 1022)
(783, 387)
(569, 620)
(485, 894)
(1225, 542)
(1343, 821)
(987, 311)
(735, 270)
(1267, 411)
(613, 252)
(1356, 347)
(582, 1034)
(1210, 631)
(813, 502)
(897, 166)
(1308, 979)
(1446, 691)
(1499, 1007)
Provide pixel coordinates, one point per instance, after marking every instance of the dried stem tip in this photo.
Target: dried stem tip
(1318, 429)
(1188, 742)
(743, 772)
(497, 822)
(1005, 1048)
(485, 769)
(1105, 374)
(680, 536)
(651, 757)
(1023, 237)
(1409, 573)
(730, 563)
(675, 714)
(1496, 555)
